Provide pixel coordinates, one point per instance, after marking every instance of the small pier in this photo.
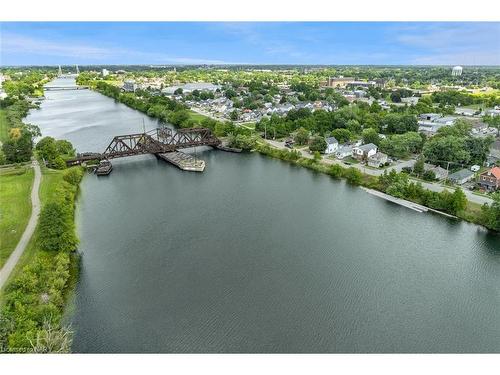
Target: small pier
(183, 161)
(402, 202)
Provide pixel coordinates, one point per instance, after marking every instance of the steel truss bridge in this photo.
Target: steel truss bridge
(156, 141)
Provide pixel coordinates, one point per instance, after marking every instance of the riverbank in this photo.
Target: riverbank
(452, 203)
(468, 211)
(33, 301)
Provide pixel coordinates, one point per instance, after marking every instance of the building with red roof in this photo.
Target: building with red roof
(490, 180)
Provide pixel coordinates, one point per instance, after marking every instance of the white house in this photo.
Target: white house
(343, 152)
(364, 151)
(332, 145)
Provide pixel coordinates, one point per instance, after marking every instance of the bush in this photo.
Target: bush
(73, 176)
(336, 171)
(353, 176)
(56, 228)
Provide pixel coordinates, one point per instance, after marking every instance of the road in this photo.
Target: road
(398, 168)
(28, 231)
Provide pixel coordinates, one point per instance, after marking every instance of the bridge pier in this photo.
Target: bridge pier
(183, 161)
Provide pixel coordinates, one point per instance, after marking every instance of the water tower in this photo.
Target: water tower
(456, 71)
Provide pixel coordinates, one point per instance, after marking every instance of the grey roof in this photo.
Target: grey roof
(461, 174)
(367, 147)
(331, 140)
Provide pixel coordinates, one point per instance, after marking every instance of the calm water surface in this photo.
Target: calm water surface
(255, 255)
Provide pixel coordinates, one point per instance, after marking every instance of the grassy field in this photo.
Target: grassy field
(15, 207)
(196, 116)
(50, 179)
(4, 128)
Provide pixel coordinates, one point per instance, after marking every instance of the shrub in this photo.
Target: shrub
(56, 228)
(73, 176)
(353, 176)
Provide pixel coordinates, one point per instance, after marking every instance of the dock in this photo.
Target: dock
(402, 202)
(183, 161)
(224, 147)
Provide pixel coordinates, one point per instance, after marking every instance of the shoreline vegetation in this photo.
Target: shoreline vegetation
(33, 300)
(395, 184)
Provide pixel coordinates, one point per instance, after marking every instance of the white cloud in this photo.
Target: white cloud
(14, 43)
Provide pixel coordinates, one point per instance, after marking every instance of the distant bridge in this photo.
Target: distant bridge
(64, 88)
(155, 142)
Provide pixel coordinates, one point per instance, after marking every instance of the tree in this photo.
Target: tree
(341, 135)
(18, 150)
(490, 214)
(317, 143)
(353, 176)
(73, 176)
(396, 97)
(301, 136)
(234, 115)
(56, 229)
(316, 156)
(396, 123)
(418, 167)
(336, 171)
(459, 201)
(371, 136)
(440, 150)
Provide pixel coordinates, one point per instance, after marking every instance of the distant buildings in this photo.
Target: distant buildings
(129, 86)
(430, 122)
(105, 72)
(338, 82)
(456, 71)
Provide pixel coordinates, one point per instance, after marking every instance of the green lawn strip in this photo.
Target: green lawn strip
(197, 117)
(15, 208)
(4, 127)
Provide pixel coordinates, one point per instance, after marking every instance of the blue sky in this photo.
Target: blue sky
(386, 43)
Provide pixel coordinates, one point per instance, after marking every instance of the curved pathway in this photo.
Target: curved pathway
(28, 231)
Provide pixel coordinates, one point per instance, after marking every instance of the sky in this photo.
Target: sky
(325, 43)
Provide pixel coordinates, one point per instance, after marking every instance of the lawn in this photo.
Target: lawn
(50, 179)
(15, 207)
(4, 128)
(195, 116)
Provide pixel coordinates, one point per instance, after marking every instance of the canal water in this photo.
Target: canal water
(256, 255)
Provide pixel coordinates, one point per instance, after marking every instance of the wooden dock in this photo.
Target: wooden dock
(183, 161)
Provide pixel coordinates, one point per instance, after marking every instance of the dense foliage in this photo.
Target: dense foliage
(30, 318)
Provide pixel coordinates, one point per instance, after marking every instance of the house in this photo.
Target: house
(343, 152)
(332, 145)
(377, 160)
(430, 116)
(365, 151)
(490, 180)
(461, 177)
(439, 173)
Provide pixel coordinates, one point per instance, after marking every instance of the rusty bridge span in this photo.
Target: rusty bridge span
(156, 142)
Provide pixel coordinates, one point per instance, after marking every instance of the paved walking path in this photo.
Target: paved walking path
(28, 232)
